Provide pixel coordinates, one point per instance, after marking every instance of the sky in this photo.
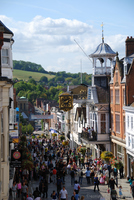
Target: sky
(45, 31)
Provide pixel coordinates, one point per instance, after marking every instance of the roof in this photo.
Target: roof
(120, 66)
(6, 30)
(22, 97)
(103, 49)
(24, 115)
(132, 105)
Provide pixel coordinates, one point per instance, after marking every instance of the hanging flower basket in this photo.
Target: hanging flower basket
(54, 134)
(116, 162)
(27, 164)
(81, 149)
(65, 143)
(106, 155)
(62, 137)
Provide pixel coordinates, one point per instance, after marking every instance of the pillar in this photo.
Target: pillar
(0, 158)
(125, 161)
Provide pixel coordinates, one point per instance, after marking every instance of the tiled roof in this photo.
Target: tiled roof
(103, 49)
(6, 30)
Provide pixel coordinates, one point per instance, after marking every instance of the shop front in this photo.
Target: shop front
(130, 164)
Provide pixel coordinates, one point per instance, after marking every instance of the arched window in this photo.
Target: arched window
(99, 62)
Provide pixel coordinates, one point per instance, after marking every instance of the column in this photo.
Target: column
(115, 149)
(0, 157)
(125, 161)
(6, 133)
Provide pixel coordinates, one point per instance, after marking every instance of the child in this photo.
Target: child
(120, 192)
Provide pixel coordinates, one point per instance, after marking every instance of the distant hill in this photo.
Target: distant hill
(24, 75)
(25, 70)
(29, 66)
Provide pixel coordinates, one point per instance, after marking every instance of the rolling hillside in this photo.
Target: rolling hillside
(24, 75)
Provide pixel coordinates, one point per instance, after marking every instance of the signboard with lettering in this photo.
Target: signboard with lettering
(16, 158)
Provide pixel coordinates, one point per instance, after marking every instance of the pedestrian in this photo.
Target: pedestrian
(80, 174)
(112, 184)
(132, 189)
(14, 190)
(88, 175)
(92, 176)
(72, 176)
(54, 195)
(63, 194)
(59, 182)
(76, 195)
(96, 182)
(54, 175)
(102, 180)
(76, 187)
(36, 193)
(24, 190)
(30, 197)
(121, 171)
(82, 198)
(19, 188)
(120, 191)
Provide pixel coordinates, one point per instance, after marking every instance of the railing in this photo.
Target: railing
(90, 137)
(102, 70)
(95, 136)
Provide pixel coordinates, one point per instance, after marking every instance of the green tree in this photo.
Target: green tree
(43, 79)
(31, 80)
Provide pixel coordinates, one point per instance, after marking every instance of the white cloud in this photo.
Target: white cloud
(50, 42)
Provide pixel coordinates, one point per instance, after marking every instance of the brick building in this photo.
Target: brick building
(121, 94)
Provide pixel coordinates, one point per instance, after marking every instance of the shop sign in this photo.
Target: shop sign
(65, 101)
(16, 158)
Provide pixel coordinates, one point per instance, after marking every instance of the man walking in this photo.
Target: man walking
(63, 194)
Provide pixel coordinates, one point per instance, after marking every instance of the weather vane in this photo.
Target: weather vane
(102, 33)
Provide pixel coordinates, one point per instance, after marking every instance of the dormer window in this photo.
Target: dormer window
(5, 56)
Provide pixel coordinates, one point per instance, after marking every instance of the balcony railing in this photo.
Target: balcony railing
(95, 136)
(102, 70)
(90, 137)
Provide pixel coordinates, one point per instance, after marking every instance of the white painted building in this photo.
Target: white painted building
(7, 114)
(129, 130)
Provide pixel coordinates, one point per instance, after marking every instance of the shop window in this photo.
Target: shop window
(117, 121)
(124, 125)
(128, 121)
(129, 140)
(131, 123)
(123, 96)
(5, 56)
(112, 124)
(103, 123)
(132, 142)
(117, 97)
(111, 96)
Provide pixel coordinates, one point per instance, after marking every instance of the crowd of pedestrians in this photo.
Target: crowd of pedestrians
(52, 162)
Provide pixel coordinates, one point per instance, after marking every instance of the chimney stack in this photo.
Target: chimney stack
(129, 46)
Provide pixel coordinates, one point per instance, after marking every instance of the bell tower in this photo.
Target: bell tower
(102, 58)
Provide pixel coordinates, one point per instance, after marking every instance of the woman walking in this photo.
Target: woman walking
(96, 182)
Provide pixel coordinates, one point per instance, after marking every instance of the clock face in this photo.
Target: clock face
(66, 102)
(16, 155)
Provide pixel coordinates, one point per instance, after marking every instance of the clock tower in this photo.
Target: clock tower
(103, 58)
